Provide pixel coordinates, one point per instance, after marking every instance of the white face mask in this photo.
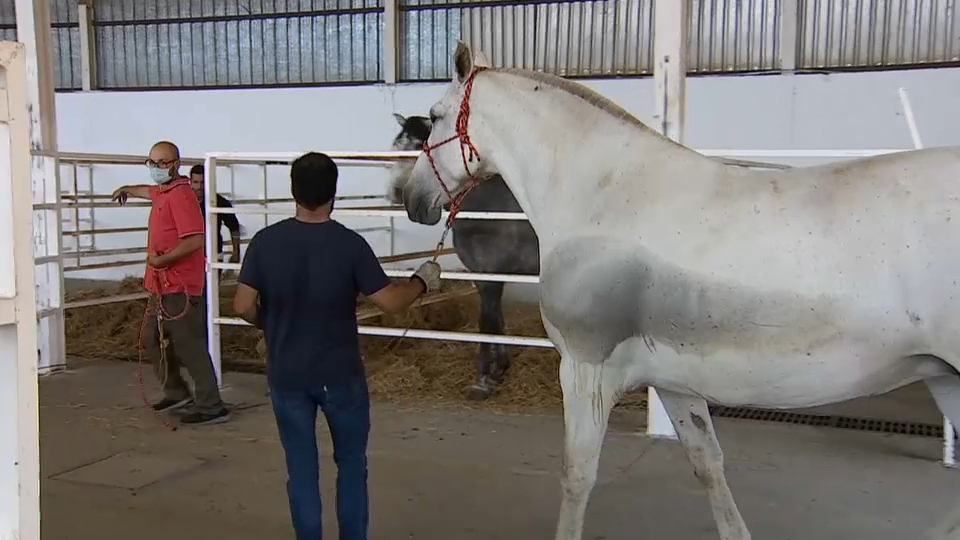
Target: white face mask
(158, 175)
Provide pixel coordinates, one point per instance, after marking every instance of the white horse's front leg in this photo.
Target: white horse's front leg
(587, 401)
(691, 419)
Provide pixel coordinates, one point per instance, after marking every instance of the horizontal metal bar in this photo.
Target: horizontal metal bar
(88, 253)
(241, 17)
(387, 157)
(94, 232)
(65, 205)
(13, 26)
(437, 335)
(472, 276)
(376, 212)
(454, 276)
(101, 266)
(106, 300)
(104, 159)
(415, 255)
(476, 4)
(290, 199)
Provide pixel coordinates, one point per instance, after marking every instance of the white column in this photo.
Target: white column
(88, 46)
(33, 30)
(789, 38)
(670, 81)
(19, 421)
(391, 43)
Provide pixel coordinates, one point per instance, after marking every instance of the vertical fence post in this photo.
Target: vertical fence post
(88, 46)
(213, 274)
(391, 43)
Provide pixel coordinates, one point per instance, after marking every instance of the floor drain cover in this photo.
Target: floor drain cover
(840, 422)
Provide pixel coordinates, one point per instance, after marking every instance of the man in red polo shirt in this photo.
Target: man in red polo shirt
(176, 276)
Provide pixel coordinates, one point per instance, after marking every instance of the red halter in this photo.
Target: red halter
(467, 152)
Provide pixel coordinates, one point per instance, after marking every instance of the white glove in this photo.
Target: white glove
(429, 273)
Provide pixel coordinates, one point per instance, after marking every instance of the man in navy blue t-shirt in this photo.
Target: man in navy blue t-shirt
(299, 282)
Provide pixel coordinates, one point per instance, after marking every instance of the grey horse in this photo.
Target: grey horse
(484, 246)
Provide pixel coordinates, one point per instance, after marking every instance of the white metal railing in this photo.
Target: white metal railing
(89, 256)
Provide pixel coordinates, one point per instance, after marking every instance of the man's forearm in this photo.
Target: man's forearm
(139, 191)
(401, 294)
(186, 246)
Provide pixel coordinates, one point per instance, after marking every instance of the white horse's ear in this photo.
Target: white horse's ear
(400, 119)
(480, 60)
(462, 61)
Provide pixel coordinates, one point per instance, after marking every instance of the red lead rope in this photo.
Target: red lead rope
(159, 277)
(468, 152)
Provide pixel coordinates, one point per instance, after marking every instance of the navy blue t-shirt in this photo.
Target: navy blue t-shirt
(308, 276)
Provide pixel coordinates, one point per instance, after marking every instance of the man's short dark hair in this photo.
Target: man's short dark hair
(313, 180)
(196, 169)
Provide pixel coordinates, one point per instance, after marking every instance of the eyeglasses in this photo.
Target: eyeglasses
(162, 164)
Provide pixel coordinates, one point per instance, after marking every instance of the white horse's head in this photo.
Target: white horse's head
(448, 163)
(414, 131)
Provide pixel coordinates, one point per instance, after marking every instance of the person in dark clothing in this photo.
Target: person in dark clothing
(228, 220)
(299, 283)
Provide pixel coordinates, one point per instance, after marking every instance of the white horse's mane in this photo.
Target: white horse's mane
(587, 94)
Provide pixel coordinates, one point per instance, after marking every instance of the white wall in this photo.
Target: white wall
(841, 111)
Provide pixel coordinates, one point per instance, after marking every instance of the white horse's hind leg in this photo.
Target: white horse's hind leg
(588, 397)
(691, 419)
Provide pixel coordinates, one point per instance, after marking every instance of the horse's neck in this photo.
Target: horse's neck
(558, 153)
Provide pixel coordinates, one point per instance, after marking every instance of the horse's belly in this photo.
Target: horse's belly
(831, 374)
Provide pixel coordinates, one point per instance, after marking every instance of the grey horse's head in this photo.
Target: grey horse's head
(414, 131)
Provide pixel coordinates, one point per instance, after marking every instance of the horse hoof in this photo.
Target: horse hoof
(478, 393)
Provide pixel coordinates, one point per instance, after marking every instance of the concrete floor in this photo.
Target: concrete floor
(445, 474)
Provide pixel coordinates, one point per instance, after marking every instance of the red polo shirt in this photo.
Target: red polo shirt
(175, 214)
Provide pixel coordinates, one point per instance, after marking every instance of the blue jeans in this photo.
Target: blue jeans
(347, 410)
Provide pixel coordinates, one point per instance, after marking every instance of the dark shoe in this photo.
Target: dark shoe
(171, 404)
(202, 418)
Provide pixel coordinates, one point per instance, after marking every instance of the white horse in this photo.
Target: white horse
(709, 282)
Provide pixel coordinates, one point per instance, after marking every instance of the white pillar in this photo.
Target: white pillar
(19, 421)
(33, 30)
(670, 81)
(391, 42)
(789, 37)
(88, 46)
